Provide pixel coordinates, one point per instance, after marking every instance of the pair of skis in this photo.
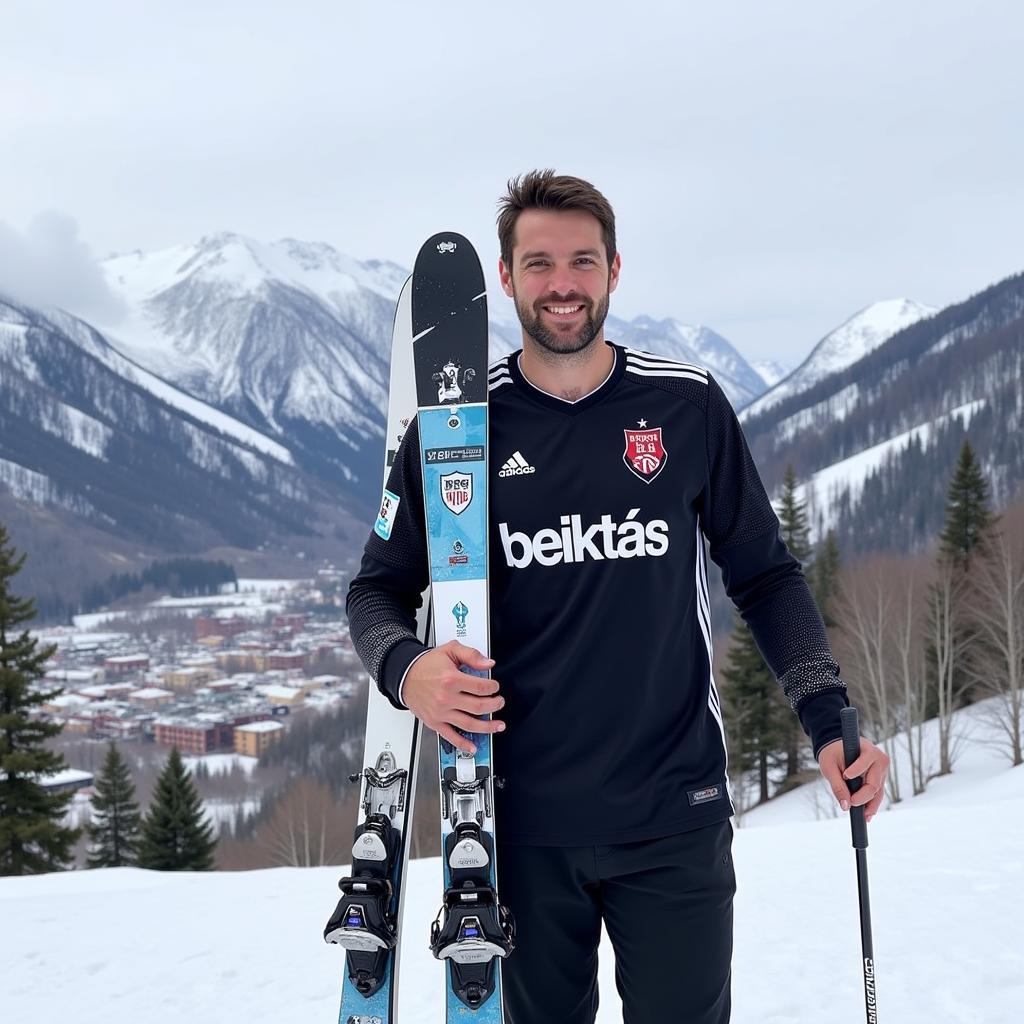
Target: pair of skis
(438, 366)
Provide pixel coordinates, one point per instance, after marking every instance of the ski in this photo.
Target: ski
(367, 919)
(473, 931)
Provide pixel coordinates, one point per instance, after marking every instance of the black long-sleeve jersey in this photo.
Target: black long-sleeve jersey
(600, 620)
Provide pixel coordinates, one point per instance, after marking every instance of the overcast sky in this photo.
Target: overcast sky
(773, 166)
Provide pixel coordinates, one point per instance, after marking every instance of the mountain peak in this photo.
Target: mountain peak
(850, 341)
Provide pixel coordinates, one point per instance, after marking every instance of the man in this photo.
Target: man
(610, 469)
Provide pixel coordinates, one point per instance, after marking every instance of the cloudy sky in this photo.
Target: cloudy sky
(773, 166)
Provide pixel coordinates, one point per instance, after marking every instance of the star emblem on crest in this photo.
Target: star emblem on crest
(641, 423)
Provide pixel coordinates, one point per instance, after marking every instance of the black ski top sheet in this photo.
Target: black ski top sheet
(447, 303)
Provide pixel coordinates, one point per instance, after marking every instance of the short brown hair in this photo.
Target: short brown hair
(545, 190)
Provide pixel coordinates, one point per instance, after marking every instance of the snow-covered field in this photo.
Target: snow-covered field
(252, 600)
(947, 892)
(221, 764)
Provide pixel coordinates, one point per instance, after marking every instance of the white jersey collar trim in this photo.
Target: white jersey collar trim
(567, 401)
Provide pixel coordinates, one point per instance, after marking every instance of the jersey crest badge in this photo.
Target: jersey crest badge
(456, 491)
(645, 455)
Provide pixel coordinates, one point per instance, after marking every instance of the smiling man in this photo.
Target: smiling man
(612, 469)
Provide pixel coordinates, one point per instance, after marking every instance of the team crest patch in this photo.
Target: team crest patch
(456, 491)
(645, 455)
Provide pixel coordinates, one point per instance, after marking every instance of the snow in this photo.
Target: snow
(853, 340)
(221, 813)
(189, 320)
(76, 675)
(67, 701)
(980, 765)
(227, 425)
(234, 430)
(68, 775)
(826, 485)
(947, 897)
(89, 620)
(771, 371)
(260, 727)
(247, 585)
(75, 427)
(26, 484)
(272, 691)
(221, 764)
(242, 264)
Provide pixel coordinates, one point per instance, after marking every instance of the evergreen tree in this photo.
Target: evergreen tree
(969, 525)
(114, 833)
(969, 517)
(757, 719)
(32, 838)
(174, 835)
(793, 518)
(824, 577)
(795, 532)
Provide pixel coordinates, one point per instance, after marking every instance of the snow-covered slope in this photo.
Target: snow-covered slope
(771, 371)
(947, 898)
(861, 334)
(876, 441)
(93, 343)
(87, 431)
(844, 480)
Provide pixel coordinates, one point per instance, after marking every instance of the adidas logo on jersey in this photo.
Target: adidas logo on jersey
(573, 542)
(516, 466)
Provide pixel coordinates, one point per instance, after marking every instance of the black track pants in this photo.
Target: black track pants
(667, 905)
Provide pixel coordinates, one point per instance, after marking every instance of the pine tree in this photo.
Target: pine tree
(824, 577)
(757, 719)
(793, 518)
(114, 833)
(795, 531)
(32, 838)
(970, 524)
(174, 835)
(969, 517)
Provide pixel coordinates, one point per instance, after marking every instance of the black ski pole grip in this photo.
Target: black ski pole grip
(851, 751)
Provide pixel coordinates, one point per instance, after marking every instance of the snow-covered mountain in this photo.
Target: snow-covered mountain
(874, 443)
(120, 465)
(853, 340)
(691, 344)
(290, 337)
(293, 337)
(771, 371)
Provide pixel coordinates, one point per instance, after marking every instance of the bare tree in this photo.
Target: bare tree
(947, 644)
(911, 670)
(996, 663)
(304, 829)
(864, 612)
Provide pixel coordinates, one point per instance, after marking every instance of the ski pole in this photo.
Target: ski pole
(859, 829)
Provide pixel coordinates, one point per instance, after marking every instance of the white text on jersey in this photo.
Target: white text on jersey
(572, 543)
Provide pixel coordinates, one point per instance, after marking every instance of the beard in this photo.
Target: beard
(564, 343)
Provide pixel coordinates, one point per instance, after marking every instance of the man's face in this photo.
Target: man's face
(560, 278)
